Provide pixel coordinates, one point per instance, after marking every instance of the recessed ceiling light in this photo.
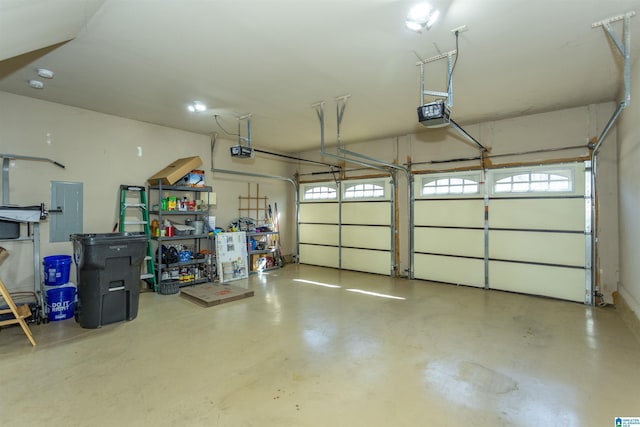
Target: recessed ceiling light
(36, 84)
(422, 16)
(197, 107)
(44, 73)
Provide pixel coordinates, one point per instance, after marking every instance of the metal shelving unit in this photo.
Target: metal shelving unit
(203, 268)
(271, 242)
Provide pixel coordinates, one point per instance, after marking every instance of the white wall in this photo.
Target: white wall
(100, 151)
(565, 128)
(629, 182)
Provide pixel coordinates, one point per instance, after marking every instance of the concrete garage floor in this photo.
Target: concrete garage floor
(304, 354)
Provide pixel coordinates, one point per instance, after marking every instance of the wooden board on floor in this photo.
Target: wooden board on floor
(210, 294)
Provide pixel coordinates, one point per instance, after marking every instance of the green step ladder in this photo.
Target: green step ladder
(143, 215)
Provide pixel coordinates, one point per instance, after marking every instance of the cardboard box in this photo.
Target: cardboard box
(175, 171)
(256, 264)
(196, 178)
(210, 294)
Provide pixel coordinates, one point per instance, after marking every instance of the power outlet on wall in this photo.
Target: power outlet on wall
(212, 198)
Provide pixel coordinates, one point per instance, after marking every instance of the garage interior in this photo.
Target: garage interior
(456, 209)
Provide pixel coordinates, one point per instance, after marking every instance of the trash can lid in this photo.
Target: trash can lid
(108, 238)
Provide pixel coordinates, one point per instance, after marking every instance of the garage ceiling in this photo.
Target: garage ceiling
(147, 59)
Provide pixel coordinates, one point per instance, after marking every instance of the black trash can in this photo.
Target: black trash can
(108, 267)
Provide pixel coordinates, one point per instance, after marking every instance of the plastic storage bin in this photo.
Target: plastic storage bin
(56, 269)
(108, 276)
(60, 301)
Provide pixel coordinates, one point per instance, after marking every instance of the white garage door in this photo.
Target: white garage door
(449, 228)
(347, 226)
(537, 231)
(319, 220)
(533, 238)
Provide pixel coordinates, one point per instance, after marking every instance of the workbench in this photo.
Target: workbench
(31, 215)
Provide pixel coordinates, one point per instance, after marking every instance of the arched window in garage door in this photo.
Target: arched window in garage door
(320, 192)
(370, 190)
(435, 186)
(553, 181)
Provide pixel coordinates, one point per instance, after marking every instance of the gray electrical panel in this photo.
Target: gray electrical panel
(66, 213)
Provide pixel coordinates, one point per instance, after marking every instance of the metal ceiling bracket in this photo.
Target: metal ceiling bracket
(623, 46)
(341, 104)
(319, 107)
(246, 139)
(624, 49)
(449, 93)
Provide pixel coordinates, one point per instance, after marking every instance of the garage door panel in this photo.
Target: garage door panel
(366, 237)
(538, 247)
(463, 271)
(325, 256)
(459, 213)
(536, 243)
(319, 212)
(377, 213)
(450, 241)
(538, 214)
(323, 234)
(557, 282)
(378, 262)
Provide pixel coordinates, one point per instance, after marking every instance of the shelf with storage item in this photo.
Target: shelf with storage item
(263, 251)
(184, 247)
